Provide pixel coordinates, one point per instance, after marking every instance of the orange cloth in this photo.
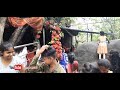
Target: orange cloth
(35, 22)
(16, 21)
(102, 47)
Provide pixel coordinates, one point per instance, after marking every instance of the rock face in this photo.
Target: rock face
(87, 52)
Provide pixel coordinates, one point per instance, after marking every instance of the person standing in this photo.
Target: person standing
(102, 45)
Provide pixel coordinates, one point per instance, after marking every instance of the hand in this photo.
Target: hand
(45, 47)
(42, 49)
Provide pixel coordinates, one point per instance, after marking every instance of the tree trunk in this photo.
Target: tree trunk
(15, 35)
(2, 26)
(21, 35)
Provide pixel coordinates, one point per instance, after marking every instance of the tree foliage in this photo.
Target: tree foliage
(61, 21)
(97, 24)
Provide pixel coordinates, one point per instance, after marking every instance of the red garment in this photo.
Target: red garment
(30, 56)
(75, 64)
(35, 22)
(73, 68)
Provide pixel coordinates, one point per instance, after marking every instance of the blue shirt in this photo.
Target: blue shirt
(64, 60)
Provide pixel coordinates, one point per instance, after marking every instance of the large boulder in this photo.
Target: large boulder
(87, 52)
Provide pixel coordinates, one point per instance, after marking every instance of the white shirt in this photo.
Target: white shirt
(22, 55)
(10, 67)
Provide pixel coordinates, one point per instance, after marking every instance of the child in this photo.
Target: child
(102, 47)
(7, 59)
(49, 64)
(101, 66)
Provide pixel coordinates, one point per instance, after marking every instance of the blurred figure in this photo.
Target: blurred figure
(86, 68)
(73, 65)
(64, 59)
(101, 66)
(9, 62)
(115, 61)
(102, 47)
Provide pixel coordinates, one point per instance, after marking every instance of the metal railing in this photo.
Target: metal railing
(26, 45)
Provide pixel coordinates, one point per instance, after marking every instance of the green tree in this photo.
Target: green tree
(62, 21)
(97, 24)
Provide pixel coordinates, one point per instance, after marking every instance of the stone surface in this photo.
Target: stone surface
(87, 52)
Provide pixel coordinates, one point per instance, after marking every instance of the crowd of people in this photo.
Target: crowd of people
(45, 60)
(48, 63)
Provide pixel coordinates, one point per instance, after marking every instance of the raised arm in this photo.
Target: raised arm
(33, 67)
(35, 58)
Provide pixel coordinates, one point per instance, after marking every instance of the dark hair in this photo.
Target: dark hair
(86, 68)
(114, 52)
(63, 50)
(115, 61)
(50, 52)
(104, 62)
(87, 65)
(71, 57)
(5, 46)
(18, 50)
(102, 33)
(72, 48)
(114, 55)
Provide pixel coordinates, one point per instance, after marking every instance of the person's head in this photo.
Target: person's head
(113, 53)
(49, 55)
(102, 33)
(86, 68)
(7, 50)
(71, 57)
(72, 49)
(104, 65)
(114, 60)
